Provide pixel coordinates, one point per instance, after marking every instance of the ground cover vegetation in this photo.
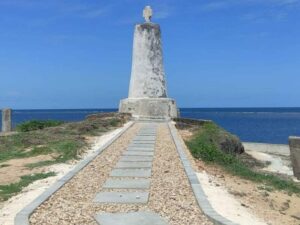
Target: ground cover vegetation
(214, 145)
(62, 141)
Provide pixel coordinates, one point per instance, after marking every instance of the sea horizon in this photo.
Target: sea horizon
(251, 124)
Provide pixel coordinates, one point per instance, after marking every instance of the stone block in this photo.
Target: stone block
(163, 108)
(294, 143)
(122, 197)
(138, 153)
(6, 120)
(133, 165)
(140, 149)
(131, 173)
(127, 183)
(136, 159)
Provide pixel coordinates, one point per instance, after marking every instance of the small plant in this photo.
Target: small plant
(37, 125)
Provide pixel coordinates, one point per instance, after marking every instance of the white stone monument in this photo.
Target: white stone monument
(147, 92)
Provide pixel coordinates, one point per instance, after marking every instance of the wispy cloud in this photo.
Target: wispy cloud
(227, 4)
(253, 10)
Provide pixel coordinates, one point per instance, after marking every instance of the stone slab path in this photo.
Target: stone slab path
(126, 174)
(136, 180)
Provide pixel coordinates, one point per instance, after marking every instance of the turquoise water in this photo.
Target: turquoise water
(266, 125)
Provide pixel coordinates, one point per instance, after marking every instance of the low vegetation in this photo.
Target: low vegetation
(63, 142)
(60, 141)
(6, 191)
(37, 125)
(205, 145)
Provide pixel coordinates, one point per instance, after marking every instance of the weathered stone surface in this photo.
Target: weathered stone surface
(149, 107)
(139, 153)
(140, 149)
(136, 159)
(295, 155)
(131, 218)
(147, 74)
(122, 197)
(147, 92)
(131, 173)
(140, 183)
(133, 165)
(6, 120)
(144, 138)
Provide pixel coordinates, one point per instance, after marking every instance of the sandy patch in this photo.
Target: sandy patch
(277, 164)
(15, 204)
(224, 203)
(17, 167)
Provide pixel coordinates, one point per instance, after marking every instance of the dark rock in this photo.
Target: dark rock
(226, 141)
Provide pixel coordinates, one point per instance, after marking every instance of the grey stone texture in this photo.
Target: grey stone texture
(133, 165)
(138, 153)
(147, 74)
(122, 197)
(136, 159)
(131, 218)
(127, 183)
(140, 150)
(149, 107)
(131, 173)
(147, 91)
(6, 120)
(294, 143)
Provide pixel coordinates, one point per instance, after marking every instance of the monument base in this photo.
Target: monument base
(151, 108)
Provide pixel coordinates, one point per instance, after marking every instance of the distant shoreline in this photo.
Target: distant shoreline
(260, 125)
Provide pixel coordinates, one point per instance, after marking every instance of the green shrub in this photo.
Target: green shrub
(37, 125)
(203, 146)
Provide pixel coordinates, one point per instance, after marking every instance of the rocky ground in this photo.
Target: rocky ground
(170, 193)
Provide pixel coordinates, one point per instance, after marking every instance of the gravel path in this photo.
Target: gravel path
(170, 193)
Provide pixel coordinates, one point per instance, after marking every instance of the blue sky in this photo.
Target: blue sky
(217, 53)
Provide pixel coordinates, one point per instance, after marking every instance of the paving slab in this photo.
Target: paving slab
(131, 173)
(122, 197)
(143, 142)
(113, 183)
(141, 145)
(136, 159)
(138, 153)
(134, 165)
(145, 135)
(131, 218)
(140, 150)
(144, 138)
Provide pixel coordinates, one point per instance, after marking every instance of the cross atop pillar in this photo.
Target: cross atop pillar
(147, 13)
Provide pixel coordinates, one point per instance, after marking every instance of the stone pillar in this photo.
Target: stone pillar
(147, 96)
(6, 120)
(147, 72)
(295, 155)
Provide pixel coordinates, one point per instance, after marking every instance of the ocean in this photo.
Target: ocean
(264, 125)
